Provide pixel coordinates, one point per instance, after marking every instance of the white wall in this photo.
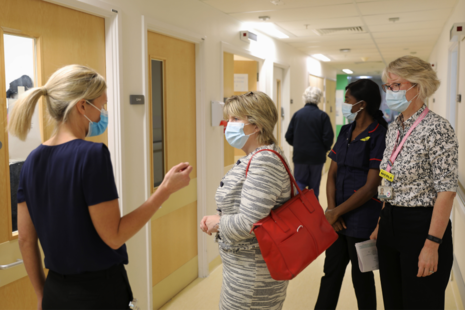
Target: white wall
(440, 56)
(194, 17)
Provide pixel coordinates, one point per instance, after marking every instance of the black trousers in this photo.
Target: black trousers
(401, 237)
(337, 258)
(107, 289)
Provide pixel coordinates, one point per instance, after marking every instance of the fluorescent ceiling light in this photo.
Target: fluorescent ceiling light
(348, 71)
(321, 57)
(271, 29)
(364, 77)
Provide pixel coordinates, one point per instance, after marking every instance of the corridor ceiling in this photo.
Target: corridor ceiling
(416, 31)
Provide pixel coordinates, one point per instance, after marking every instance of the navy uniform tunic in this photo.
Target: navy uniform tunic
(354, 160)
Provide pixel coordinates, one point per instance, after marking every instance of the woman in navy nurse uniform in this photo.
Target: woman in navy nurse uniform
(353, 180)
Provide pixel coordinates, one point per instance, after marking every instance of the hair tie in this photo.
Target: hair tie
(44, 91)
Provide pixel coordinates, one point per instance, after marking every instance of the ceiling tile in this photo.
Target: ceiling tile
(437, 24)
(243, 6)
(433, 32)
(310, 24)
(407, 17)
(289, 15)
(399, 6)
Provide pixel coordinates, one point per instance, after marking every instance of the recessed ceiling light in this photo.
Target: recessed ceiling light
(264, 18)
(277, 2)
(271, 29)
(321, 57)
(345, 50)
(348, 71)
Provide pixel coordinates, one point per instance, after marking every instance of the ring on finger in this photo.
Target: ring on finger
(431, 271)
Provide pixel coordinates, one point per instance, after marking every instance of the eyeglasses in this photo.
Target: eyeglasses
(395, 87)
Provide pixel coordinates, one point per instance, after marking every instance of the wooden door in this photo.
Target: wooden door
(251, 69)
(330, 94)
(55, 37)
(173, 120)
(319, 82)
(231, 67)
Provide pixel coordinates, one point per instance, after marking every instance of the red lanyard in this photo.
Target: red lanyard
(397, 149)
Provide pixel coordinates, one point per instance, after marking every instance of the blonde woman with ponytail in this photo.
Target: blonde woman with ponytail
(68, 200)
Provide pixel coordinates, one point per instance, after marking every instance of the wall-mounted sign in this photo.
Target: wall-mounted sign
(241, 82)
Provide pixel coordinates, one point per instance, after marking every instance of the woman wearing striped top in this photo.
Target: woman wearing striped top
(243, 200)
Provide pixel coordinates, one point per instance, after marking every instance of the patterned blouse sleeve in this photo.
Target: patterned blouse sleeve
(266, 180)
(443, 154)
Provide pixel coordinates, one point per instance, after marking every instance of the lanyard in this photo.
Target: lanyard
(397, 149)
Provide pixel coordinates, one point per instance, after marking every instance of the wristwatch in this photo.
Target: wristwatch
(434, 239)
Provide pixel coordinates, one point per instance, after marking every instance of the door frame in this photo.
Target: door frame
(263, 85)
(154, 25)
(285, 104)
(453, 64)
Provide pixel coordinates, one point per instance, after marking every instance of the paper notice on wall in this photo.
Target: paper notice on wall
(241, 82)
(367, 253)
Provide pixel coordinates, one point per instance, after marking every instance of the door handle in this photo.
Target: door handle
(18, 262)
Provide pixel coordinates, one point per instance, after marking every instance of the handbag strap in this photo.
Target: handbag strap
(293, 182)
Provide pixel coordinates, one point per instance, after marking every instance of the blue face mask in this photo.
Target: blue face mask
(347, 110)
(96, 129)
(235, 135)
(397, 101)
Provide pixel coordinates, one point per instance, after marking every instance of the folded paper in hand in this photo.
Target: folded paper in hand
(367, 255)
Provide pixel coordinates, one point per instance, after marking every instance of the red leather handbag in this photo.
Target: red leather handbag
(295, 234)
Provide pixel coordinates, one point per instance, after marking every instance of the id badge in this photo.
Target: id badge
(385, 192)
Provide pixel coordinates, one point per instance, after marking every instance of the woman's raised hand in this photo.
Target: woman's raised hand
(177, 178)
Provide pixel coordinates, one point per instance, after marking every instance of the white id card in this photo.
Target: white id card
(385, 192)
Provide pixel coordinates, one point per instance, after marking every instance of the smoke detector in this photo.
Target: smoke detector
(277, 2)
(263, 18)
(394, 19)
(344, 50)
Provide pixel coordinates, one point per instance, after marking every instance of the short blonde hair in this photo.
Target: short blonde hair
(66, 87)
(258, 109)
(416, 71)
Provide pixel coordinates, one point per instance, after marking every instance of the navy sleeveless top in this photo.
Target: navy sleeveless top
(58, 184)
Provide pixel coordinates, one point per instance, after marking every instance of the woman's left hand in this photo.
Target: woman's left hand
(428, 259)
(209, 224)
(331, 216)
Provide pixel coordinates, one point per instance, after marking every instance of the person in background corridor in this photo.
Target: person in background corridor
(311, 134)
(353, 180)
(243, 201)
(67, 198)
(420, 171)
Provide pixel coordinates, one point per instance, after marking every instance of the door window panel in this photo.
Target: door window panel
(20, 75)
(158, 147)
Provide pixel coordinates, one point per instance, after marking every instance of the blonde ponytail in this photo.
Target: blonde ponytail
(66, 87)
(20, 118)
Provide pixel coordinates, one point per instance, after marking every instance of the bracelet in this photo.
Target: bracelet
(434, 239)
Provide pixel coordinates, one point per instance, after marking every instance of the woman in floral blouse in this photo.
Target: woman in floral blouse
(420, 171)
